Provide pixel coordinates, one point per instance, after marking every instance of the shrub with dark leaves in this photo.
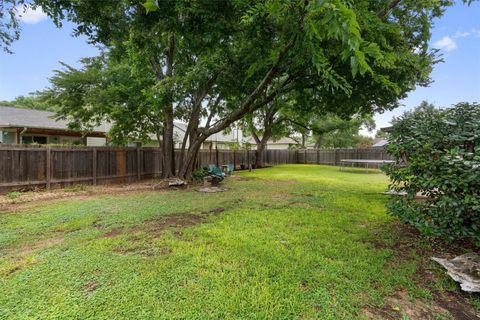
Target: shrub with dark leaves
(438, 155)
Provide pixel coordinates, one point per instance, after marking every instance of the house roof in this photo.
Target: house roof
(387, 129)
(221, 136)
(11, 117)
(380, 143)
(283, 140)
(29, 118)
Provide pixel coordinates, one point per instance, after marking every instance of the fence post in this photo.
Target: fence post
(216, 156)
(48, 169)
(356, 156)
(94, 166)
(318, 156)
(336, 156)
(234, 160)
(305, 158)
(138, 164)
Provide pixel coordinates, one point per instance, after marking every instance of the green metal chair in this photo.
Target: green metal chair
(216, 171)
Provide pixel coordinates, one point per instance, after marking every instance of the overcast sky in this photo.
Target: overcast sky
(456, 34)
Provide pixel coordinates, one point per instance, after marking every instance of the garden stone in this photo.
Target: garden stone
(175, 182)
(464, 269)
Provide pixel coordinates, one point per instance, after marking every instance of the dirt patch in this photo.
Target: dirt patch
(11, 270)
(455, 303)
(37, 245)
(91, 286)
(19, 256)
(214, 211)
(399, 305)
(178, 220)
(154, 229)
(238, 178)
(156, 226)
(112, 233)
(406, 247)
(144, 250)
(85, 191)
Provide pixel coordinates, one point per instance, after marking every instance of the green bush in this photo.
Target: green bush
(14, 195)
(438, 154)
(198, 174)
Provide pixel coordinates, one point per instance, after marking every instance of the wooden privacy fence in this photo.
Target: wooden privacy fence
(35, 166)
(333, 156)
(46, 166)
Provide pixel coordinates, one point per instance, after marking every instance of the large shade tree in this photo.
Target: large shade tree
(222, 60)
(106, 89)
(265, 124)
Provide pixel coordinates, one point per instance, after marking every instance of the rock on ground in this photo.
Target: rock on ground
(464, 269)
(175, 182)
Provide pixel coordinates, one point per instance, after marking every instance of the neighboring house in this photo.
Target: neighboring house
(26, 126)
(284, 143)
(381, 143)
(221, 140)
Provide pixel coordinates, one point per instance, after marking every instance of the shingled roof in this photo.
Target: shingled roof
(11, 117)
(28, 118)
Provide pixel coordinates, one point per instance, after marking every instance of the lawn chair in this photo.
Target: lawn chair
(214, 170)
(231, 168)
(213, 175)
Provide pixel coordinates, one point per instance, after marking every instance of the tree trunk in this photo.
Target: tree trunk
(191, 156)
(250, 104)
(168, 143)
(319, 142)
(260, 154)
(304, 140)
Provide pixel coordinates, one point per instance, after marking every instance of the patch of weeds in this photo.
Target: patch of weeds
(474, 300)
(14, 195)
(198, 174)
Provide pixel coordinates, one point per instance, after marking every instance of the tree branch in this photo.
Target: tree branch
(249, 103)
(157, 68)
(382, 14)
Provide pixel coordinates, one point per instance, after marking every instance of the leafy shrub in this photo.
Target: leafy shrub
(199, 174)
(438, 154)
(14, 195)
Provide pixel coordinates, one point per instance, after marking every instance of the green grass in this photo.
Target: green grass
(293, 241)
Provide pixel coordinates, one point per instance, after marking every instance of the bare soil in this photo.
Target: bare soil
(82, 191)
(37, 245)
(450, 304)
(20, 255)
(156, 226)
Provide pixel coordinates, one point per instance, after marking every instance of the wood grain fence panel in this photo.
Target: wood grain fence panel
(22, 166)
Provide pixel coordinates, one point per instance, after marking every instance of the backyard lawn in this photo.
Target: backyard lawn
(290, 242)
